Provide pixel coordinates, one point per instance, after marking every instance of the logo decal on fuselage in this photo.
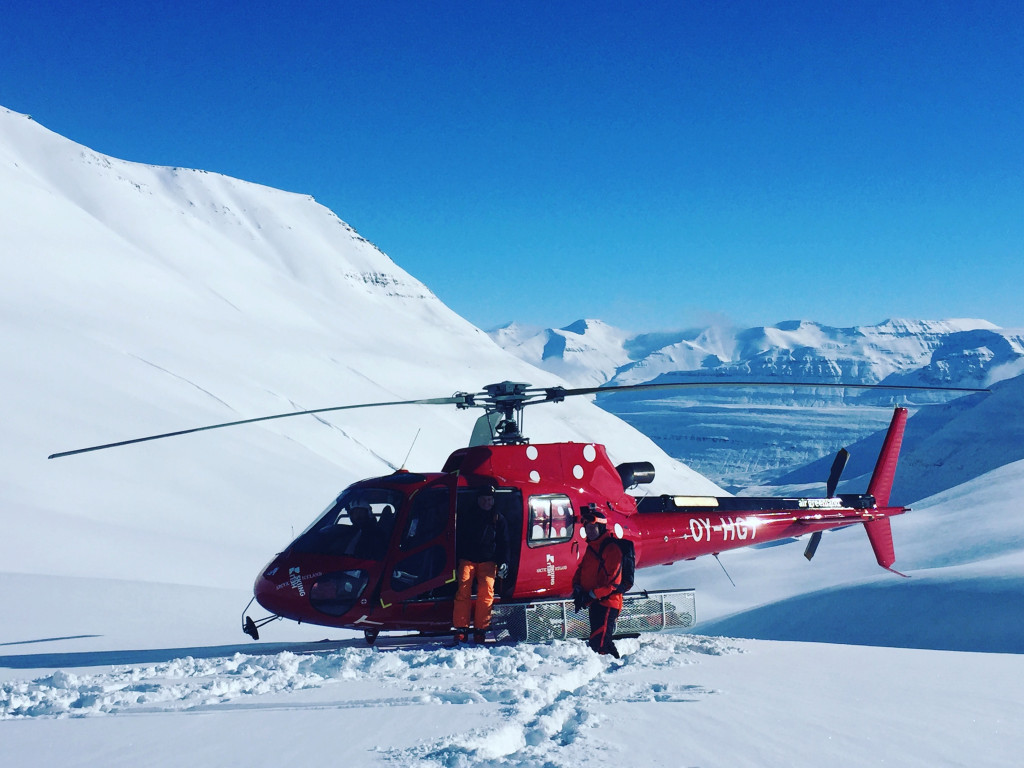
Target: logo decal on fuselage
(550, 568)
(295, 579)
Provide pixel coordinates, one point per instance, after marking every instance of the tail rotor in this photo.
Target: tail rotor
(838, 465)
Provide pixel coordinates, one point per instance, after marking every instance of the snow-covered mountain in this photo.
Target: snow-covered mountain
(137, 300)
(586, 353)
(961, 351)
(740, 437)
(952, 352)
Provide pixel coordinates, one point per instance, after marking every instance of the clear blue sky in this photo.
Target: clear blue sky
(653, 164)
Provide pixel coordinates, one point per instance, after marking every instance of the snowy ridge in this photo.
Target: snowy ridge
(963, 548)
(587, 353)
(944, 446)
(952, 351)
(759, 437)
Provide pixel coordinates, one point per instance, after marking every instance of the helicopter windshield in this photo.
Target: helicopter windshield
(358, 524)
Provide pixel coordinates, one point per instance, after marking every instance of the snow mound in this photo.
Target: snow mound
(528, 679)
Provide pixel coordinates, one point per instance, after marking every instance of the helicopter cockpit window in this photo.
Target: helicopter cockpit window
(551, 520)
(358, 525)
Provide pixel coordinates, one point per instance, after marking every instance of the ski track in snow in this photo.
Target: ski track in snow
(541, 697)
(552, 709)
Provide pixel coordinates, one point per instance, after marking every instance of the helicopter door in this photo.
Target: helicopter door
(551, 551)
(424, 562)
(508, 503)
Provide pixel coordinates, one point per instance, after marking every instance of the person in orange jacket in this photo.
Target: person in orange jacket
(598, 582)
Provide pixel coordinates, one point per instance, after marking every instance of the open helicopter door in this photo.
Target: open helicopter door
(422, 565)
(508, 504)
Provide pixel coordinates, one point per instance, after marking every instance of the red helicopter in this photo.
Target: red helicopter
(381, 557)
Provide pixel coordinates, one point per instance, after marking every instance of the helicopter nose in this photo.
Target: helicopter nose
(280, 590)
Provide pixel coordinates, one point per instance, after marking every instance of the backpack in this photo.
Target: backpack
(628, 563)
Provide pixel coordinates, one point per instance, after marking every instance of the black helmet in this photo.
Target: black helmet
(590, 514)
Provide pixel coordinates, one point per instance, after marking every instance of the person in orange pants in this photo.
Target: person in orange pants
(482, 552)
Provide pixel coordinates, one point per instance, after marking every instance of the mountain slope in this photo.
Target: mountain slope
(138, 299)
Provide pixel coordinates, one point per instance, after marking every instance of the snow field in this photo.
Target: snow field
(671, 700)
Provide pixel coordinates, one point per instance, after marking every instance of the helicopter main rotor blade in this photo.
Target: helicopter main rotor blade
(454, 400)
(557, 393)
(509, 395)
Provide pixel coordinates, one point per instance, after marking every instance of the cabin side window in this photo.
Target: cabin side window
(551, 520)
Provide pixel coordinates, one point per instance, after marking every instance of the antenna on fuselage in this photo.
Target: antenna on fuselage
(409, 452)
(725, 571)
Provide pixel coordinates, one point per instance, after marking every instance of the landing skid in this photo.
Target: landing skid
(252, 628)
(537, 621)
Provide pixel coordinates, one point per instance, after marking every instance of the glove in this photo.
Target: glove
(503, 570)
(579, 599)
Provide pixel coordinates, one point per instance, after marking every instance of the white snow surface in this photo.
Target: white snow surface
(673, 700)
(138, 300)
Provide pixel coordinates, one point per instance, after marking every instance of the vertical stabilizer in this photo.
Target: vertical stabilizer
(885, 470)
(879, 530)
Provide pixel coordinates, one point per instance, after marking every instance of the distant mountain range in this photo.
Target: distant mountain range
(743, 438)
(946, 352)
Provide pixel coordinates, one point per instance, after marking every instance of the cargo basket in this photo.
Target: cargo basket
(537, 621)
